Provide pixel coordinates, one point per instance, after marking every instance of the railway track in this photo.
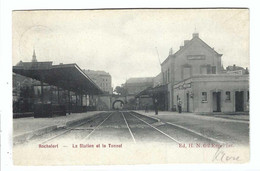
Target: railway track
(73, 128)
(134, 127)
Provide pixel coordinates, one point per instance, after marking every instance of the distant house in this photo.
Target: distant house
(236, 70)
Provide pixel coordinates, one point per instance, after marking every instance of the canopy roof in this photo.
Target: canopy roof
(67, 76)
(153, 91)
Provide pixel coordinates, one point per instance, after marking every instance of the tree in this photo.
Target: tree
(120, 90)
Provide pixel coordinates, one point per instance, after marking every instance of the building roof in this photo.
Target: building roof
(140, 80)
(67, 76)
(187, 43)
(150, 91)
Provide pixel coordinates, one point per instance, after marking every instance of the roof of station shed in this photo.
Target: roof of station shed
(67, 76)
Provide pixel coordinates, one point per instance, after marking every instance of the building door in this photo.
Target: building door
(239, 101)
(166, 101)
(216, 101)
(188, 102)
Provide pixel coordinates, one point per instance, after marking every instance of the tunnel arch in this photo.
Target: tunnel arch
(118, 100)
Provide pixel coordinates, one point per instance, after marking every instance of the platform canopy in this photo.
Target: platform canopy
(159, 89)
(151, 91)
(66, 76)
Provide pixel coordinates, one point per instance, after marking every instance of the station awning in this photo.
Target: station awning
(159, 89)
(144, 93)
(152, 91)
(66, 76)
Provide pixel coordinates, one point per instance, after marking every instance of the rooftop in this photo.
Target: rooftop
(140, 80)
(195, 36)
(66, 76)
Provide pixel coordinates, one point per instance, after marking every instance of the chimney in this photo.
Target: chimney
(186, 42)
(195, 35)
(234, 66)
(170, 51)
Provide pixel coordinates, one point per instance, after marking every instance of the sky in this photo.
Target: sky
(124, 42)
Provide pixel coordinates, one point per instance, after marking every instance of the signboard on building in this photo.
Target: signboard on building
(196, 57)
(184, 86)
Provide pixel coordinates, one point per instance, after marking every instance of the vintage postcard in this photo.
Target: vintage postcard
(130, 86)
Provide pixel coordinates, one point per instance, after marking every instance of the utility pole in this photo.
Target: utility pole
(126, 93)
(158, 56)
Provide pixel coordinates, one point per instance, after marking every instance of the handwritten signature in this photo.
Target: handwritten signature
(221, 156)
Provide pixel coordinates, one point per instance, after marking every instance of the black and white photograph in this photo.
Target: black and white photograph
(130, 86)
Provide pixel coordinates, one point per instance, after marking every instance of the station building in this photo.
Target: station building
(195, 75)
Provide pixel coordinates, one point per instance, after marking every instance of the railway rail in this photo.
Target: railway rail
(134, 126)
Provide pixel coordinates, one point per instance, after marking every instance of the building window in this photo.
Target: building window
(214, 69)
(228, 97)
(208, 69)
(186, 72)
(204, 97)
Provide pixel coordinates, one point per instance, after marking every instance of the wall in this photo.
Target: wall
(168, 78)
(192, 59)
(198, 55)
(103, 103)
(182, 94)
(157, 81)
(210, 84)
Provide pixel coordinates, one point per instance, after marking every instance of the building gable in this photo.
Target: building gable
(196, 41)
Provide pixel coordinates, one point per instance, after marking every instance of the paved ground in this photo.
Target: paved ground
(226, 128)
(234, 116)
(125, 137)
(122, 126)
(25, 125)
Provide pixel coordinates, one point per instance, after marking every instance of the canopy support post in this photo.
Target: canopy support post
(58, 89)
(69, 107)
